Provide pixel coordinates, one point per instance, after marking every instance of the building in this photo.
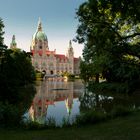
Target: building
(13, 44)
(45, 60)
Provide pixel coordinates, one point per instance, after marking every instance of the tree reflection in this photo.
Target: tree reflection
(106, 102)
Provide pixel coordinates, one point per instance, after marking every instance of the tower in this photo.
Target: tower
(13, 44)
(70, 56)
(70, 53)
(45, 60)
(39, 39)
(39, 46)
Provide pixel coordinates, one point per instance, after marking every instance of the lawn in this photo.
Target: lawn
(126, 128)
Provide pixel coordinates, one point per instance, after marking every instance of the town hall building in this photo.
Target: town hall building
(45, 60)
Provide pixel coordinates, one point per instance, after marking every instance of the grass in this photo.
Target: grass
(121, 128)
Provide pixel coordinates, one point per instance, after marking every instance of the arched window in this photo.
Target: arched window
(40, 47)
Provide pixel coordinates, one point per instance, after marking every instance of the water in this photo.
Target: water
(60, 99)
(107, 102)
(56, 99)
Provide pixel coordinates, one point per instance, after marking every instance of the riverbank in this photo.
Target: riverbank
(122, 128)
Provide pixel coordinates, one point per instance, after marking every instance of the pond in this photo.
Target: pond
(56, 99)
(60, 99)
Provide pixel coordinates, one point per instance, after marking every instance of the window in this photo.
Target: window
(40, 47)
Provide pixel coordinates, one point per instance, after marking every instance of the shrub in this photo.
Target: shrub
(66, 122)
(9, 115)
(93, 116)
(90, 117)
(120, 111)
(110, 87)
(50, 122)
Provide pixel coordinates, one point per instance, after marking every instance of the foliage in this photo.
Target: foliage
(120, 111)
(106, 87)
(1, 32)
(9, 115)
(14, 106)
(68, 75)
(66, 122)
(94, 116)
(16, 71)
(50, 122)
(16, 83)
(39, 76)
(110, 31)
(34, 125)
(65, 74)
(127, 128)
(90, 117)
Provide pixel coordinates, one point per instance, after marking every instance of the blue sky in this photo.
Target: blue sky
(58, 18)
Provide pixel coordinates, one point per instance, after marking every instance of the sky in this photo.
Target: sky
(58, 20)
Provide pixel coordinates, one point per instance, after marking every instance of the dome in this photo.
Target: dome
(40, 35)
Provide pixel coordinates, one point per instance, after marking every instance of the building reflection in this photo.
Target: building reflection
(50, 92)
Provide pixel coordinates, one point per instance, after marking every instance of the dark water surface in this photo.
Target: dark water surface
(60, 99)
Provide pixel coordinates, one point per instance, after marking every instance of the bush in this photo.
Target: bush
(9, 115)
(39, 76)
(12, 111)
(110, 87)
(66, 122)
(34, 125)
(90, 117)
(93, 116)
(50, 122)
(120, 111)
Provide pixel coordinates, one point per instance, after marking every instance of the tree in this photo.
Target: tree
(110, 31)
(16, 88)
(16, 83)
(1, 32)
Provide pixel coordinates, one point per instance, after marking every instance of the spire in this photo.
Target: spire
(70, 44)
(13, 43)
(13, 38)
(70, 51)
(39, 28)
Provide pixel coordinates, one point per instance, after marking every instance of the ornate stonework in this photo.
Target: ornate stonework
(49, 61)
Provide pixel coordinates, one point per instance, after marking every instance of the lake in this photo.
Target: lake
(59, 99)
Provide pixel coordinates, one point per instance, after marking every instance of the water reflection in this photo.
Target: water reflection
(59, 99)
(55, 98)
(107, 102)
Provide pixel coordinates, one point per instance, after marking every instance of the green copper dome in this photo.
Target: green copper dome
(40, 35)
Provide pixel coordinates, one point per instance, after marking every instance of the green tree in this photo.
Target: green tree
(110, 31)
(16, 83)
(1, 32)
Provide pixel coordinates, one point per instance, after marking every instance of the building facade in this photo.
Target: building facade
(45, 60)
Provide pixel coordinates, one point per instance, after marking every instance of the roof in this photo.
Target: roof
(76, 59)
(40, 52)
(61, 56)
(40, 35)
